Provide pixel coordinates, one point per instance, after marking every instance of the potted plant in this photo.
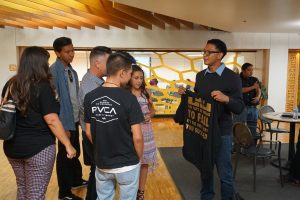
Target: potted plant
(264, 93)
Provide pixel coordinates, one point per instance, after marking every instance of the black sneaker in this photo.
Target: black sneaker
(81, 185)
(70, 197)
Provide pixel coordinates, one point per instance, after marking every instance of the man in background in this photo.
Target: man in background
(90, 81)
(251, 96)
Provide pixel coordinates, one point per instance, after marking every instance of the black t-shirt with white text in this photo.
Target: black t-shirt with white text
(111, 112)
(32, 133)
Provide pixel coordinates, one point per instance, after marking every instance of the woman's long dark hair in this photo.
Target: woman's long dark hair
(33, 68)
(136, 68)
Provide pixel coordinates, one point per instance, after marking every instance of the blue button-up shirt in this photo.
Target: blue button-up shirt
(219, 71)
(60, 82)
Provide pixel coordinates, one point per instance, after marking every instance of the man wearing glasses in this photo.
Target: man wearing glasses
(65, 79)
(220, 84)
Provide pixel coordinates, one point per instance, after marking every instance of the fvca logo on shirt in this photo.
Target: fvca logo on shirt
(104, 109)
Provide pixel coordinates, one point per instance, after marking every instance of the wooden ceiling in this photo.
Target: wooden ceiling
(84, 13)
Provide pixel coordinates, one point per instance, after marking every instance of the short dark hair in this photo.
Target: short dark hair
(246, 65)
(220, 45)
(59, 43)
(128, 56)
(99, 51)
(118, 61)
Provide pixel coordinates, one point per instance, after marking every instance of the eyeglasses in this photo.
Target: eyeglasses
(70, 75)
(207, 52)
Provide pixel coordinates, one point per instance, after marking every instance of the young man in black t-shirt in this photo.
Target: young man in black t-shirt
(251, 96)
(113, 117)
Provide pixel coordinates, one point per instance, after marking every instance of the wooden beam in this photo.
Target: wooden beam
(20, 7)
(188, 24)
(111, 16)
(215, 29)
(141, 14)
(75, 24)
(102, 21)
(25, 21)
(97, 8)
(48, 22)
(91, 3)
(94, 14)
(96, 20)
(22, 20)
(19, 23)
(62, 8)
(202, 27)
(3, 23)
(169, 20)
(25, 14)
(19, 13)
(4, 16)
(41, 8)
(35, 14)
(108, 7)
(59, 22)
(15, 11)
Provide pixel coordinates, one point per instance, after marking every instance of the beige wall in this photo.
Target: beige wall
(156, 38)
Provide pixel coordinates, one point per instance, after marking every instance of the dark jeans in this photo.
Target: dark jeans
(242, 117)
(69, 171)
(252, 115)
(249, 115)
(224, 168)
(91, 193)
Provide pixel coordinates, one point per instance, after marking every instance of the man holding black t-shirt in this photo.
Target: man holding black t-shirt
(220, 84)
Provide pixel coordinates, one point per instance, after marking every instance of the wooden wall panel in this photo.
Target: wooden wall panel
(292, 81)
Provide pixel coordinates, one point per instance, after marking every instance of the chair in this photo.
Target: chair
(258, 135)
(244, 142)
(266, 123)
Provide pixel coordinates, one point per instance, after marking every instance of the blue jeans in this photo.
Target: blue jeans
(224, 168)
(128, 182)
(242, 117)
(252, 115)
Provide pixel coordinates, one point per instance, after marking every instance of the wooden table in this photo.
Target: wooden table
(277, 116)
